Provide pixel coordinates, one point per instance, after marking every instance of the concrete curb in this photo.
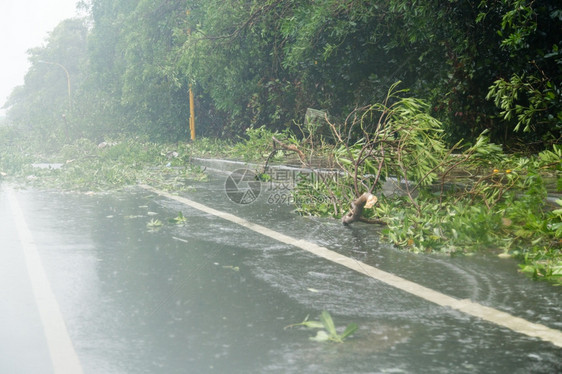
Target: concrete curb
(222, 166)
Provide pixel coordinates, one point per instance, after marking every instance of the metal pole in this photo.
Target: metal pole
(67, 82)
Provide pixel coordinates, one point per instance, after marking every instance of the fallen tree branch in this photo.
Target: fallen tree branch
(291, 147)
(367, 200)
(288, 147)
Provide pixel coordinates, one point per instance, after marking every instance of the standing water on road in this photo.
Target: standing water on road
(206, 295)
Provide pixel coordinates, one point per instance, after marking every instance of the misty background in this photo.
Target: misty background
(25, 24)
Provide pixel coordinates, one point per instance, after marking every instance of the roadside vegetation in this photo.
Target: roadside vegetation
(464, 199)
(460, 199)
(472, 134)
(85, 166)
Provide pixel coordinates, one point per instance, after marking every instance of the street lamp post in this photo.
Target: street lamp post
(67, 81)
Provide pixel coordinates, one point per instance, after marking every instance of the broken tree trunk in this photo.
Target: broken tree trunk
(367, 200)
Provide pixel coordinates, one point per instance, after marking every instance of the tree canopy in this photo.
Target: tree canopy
(484, 65)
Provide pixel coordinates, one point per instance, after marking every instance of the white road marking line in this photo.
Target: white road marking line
(489, 314)
(63, 356)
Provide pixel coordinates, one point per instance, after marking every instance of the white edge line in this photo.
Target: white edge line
(489, 314)
(63, 356)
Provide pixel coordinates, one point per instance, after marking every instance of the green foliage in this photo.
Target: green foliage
(419, 147)
(46, 103)
(399, 140)
(450, 200)
(179, 220)
(263, 63)
(89, 167)
(528, 93)
(533, 103)
(256, 145)
(154, 225)
(16, 156)
(505, 210)
(327, 329)
(231, 56)
(257, 65)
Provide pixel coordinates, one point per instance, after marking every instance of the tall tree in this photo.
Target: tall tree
(47, 100)
(492, 65)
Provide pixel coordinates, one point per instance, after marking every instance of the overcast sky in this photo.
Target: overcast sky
(25, 24)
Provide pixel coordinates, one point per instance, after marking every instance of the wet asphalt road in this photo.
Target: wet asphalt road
(208, 296)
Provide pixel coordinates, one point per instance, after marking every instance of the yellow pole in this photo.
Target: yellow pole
(191, 114)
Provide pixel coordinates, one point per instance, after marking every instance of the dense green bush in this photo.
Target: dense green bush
(491, 65)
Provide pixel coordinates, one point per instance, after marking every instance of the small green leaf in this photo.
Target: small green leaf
(328, 323)
(349, 330)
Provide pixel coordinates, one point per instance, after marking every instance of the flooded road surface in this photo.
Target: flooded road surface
(210, 296)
